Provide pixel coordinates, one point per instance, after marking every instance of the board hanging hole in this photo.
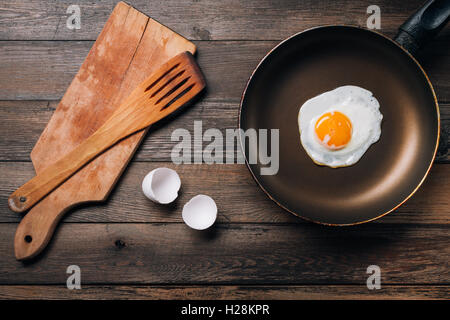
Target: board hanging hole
(28, 238)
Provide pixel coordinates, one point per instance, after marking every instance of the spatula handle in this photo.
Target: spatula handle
(51, 177)
(174, 84)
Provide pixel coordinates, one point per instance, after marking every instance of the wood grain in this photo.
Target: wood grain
(32, 116)
(230, 292)
(135, 114)
(200, 19)
(130, 47)
(128, 253)
(142, 108)
(238, 197)
(128, 245)
(227, 65)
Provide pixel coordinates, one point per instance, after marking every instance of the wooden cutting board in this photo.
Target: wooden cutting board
(130, 47)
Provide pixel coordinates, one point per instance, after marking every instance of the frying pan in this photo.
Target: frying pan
(324, 58)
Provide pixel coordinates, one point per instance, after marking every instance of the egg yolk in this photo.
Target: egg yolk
(334, 130)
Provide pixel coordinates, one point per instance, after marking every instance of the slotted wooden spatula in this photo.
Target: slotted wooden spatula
(173, 85)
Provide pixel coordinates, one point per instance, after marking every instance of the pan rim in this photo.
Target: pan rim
(343, 26)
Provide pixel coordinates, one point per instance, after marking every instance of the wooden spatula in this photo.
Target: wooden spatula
(172, 86)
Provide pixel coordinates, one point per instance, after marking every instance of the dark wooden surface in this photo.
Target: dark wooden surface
(129, 247)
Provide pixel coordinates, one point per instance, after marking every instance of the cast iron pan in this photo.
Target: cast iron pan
(319, 60)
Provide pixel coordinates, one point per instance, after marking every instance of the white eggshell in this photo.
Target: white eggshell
(200, 212)
(161, 185)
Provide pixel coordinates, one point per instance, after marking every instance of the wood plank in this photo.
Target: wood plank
(310, 292)
(199, 20)
(31, 117)
(42, 70)
(23, 122)
(233, 253)
(238, 197)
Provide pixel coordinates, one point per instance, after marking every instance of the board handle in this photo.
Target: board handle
(37, 227)
(423, 25)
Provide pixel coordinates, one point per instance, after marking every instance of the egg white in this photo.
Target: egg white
(363, 110)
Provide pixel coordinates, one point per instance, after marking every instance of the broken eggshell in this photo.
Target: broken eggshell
(161, 185)
(200, 212)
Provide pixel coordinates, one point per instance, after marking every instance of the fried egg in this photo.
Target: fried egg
(337, 127)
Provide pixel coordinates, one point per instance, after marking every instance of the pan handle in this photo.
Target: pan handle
(423, 25)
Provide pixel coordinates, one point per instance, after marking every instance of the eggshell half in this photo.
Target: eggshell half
(161, 185)
(200, 212)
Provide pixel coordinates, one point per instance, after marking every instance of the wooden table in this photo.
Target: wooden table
(129, 247)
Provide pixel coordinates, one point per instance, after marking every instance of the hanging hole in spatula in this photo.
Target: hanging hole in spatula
(28, 239)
